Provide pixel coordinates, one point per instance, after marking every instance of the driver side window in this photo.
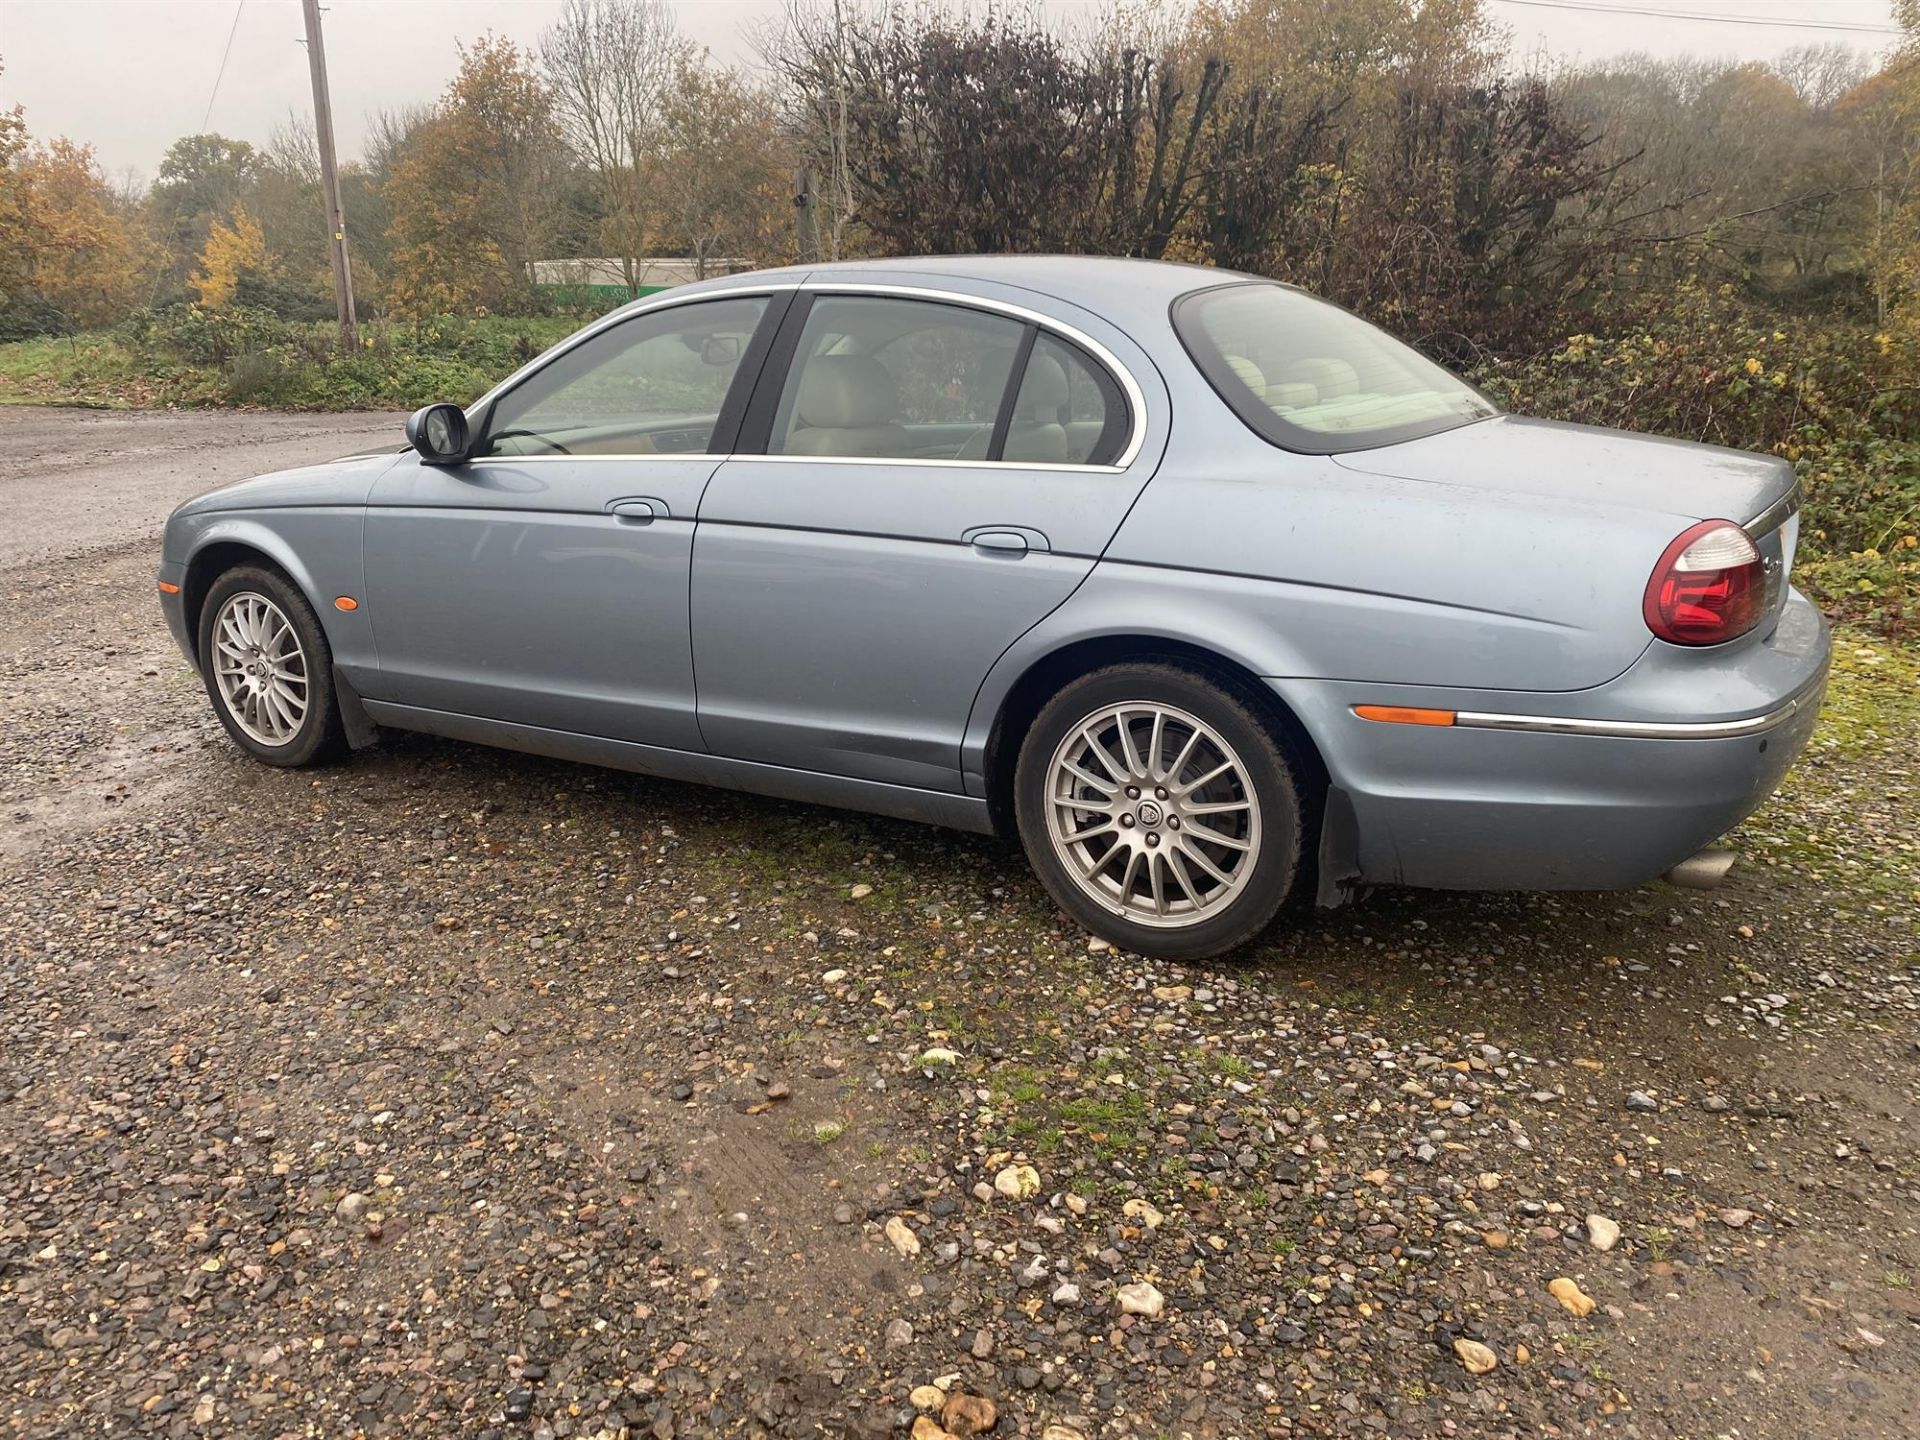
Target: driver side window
(652, 385)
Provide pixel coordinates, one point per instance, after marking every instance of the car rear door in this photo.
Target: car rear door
(922, 478)
(544, 582)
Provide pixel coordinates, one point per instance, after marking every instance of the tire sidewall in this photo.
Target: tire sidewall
(315, 737)
(1268, 772)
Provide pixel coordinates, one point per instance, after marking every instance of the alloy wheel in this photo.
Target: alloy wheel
(1151, 813)
(260, 668)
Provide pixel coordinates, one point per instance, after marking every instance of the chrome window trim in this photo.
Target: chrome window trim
(795, 460)
(1640, 729)
(622, 456)
(1130, 387)
(935, 463)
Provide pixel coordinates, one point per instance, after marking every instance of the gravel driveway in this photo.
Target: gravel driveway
(459, 1092)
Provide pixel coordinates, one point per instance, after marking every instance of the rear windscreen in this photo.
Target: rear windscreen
(1310, 376)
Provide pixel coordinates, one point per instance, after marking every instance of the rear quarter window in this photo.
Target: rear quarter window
(1308, 376)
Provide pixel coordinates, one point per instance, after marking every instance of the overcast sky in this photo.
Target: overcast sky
(128, 76)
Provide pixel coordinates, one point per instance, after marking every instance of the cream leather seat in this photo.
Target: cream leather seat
(1036, 436)
(847, 405)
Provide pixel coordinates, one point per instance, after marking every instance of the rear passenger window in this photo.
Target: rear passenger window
(1068, 411)
(899, 379)
(893, 378)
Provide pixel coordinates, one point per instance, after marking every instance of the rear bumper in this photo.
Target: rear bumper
(1590, 790)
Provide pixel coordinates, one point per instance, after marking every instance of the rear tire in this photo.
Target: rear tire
(268, 668)
(1159, 810)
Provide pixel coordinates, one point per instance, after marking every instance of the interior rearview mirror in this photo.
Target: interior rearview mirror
(720, 350)
(439, 433)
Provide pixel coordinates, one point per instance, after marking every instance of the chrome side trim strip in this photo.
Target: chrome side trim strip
(1639, 729)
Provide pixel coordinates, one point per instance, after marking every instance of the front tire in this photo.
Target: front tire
(1159, 811)
(268, 668)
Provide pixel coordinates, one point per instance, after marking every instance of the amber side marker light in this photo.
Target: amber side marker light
(345, 602)
(1403, 715)
(167, 587)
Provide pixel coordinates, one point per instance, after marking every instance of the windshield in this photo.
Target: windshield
(1309, 376)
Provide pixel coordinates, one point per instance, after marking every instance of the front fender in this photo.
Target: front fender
(319, 547)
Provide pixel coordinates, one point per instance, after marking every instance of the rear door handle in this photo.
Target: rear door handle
(1000, 540)
(634, 509)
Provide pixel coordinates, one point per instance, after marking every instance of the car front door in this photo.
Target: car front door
(544, 581)
(930, 478)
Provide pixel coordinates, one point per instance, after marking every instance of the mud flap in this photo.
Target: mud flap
(1339, 854)
(354, 720)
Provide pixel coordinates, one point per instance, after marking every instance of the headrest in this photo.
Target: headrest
(845, 392)
(1043, 392)
(1249, 373)
(1332, 378)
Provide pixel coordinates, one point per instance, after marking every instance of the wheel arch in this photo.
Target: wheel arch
(1046, 674)
(226, 545)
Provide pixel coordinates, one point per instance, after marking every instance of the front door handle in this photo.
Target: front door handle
(1000, 542)
(641, 510)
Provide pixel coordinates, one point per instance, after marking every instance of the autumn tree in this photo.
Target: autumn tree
(232, 253)
(202, 179)
(719, 175)
(84, 255)
(14, 264)
(473, 194)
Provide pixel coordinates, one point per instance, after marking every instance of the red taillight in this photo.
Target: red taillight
(1710, 586)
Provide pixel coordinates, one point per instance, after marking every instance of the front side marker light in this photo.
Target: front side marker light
(167, 587)
(1404, 715)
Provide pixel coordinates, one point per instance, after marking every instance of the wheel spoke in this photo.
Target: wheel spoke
(1180, 874)
(1157, 882)
(1194, 853)
(1214, 837)
(1155, 743)
(1214, 774)
(1180, 760)
(1106, 759)
(1128, 755)
(1107, 787)
(1216, 807)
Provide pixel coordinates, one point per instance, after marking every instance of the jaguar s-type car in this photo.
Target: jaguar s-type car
(1207, 590)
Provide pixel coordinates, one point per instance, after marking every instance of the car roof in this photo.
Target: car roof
(1106, 285)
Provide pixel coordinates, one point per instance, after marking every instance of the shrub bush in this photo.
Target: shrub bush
(28, 317)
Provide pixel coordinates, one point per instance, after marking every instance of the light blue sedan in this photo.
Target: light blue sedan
(1209, 591)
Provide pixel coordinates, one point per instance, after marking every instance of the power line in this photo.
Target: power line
(1847, 27)
(232, 30)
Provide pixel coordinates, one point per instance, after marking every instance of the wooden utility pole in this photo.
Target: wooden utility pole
(806, 220)
(330, 177)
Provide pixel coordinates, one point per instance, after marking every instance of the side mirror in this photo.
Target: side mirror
(439, 433)
(720, 350)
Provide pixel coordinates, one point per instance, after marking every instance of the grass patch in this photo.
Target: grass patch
(1834, 821)
(199, 359)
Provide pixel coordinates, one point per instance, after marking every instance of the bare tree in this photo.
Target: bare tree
(611, 64)
(720, 176)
